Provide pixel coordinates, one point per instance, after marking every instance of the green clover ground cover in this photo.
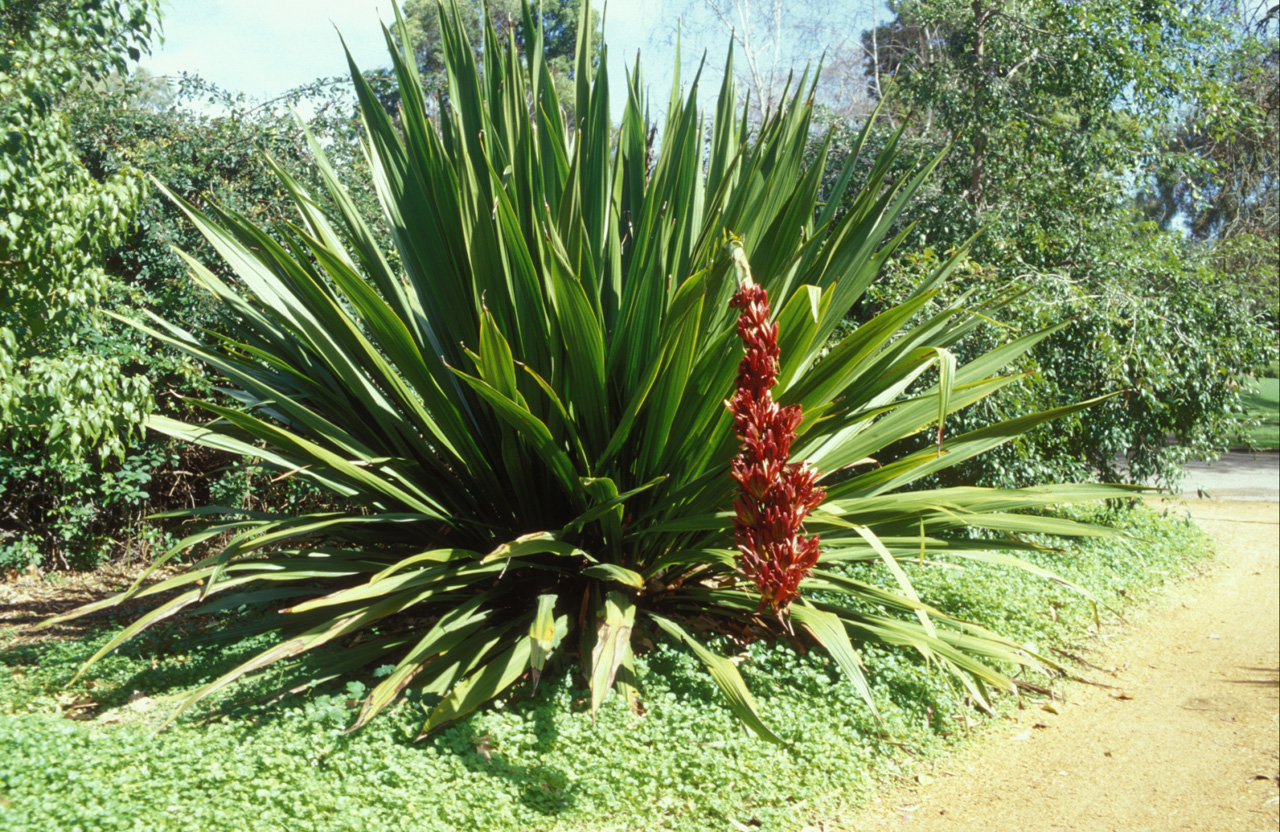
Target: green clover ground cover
(530, 764)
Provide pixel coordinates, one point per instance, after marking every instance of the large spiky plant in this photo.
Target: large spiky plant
(525, 415)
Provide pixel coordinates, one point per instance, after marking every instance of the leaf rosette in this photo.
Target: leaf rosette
(524, 419)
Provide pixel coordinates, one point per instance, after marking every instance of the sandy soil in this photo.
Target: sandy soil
(1186, 737)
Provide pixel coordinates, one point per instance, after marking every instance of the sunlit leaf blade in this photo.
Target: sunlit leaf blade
(542, 633)
(899, 575)
(493, 678)
(612, 644)
(454, 626)
(613, 572)
(535, 543)
(828, 630)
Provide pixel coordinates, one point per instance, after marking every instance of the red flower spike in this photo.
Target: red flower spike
(774, 495)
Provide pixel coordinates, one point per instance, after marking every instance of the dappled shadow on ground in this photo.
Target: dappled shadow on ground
(542, 788)
(28, 599)
(1271, 674)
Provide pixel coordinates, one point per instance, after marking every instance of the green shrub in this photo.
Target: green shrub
(1164, 329)
(70, 513)
(75, 383)
(71, 401)
(526, 426)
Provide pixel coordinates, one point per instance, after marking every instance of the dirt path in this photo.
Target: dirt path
(1187, 739)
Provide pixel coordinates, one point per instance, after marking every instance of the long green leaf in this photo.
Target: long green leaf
(612, 643)
(726, 676)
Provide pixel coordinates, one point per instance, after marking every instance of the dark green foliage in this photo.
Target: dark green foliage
(1159, 322)
(59, 510)
(76, 515)
(203, 159)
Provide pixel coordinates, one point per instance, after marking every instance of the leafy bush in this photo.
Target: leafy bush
(526, 427)
(72, 512)
(56, 392)
(72, 400)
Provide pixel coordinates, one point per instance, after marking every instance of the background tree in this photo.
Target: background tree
(1232, 197)
(772, 39)
(1052, 111)
(1236, 191)
(55, 225)
(1046, 104)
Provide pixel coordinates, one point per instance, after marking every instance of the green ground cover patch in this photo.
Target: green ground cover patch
(1262, 402)
(532, 763)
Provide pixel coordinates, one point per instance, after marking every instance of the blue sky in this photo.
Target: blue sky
(265, 47)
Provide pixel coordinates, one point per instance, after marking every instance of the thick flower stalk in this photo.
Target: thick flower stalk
(774, 495)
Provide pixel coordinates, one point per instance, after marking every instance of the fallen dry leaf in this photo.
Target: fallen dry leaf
(77, 707)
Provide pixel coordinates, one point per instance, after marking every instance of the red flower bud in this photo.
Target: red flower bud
(774, 495)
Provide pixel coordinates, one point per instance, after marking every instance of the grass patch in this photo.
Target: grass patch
(1262, 402)
(530, 764)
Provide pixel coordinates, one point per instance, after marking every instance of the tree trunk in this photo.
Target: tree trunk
(980, 16)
